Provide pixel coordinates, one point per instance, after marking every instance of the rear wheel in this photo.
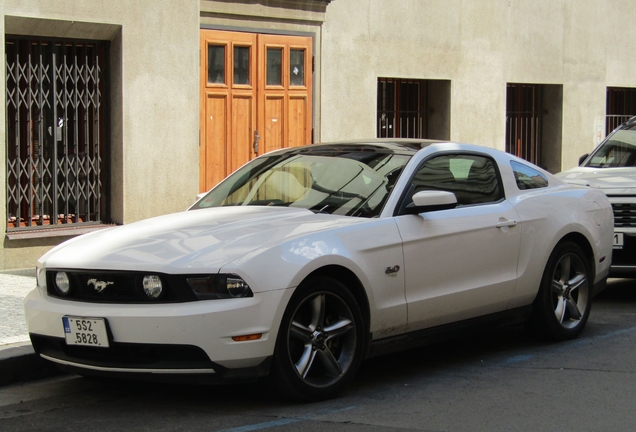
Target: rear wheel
(563, 303)
(320, 342)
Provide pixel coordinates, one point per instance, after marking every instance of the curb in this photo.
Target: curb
(30, 272)
(19, 363)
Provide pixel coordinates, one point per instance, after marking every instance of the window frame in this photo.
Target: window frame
(56, 170)
(620, 106)
(409, 190)
(532, 186)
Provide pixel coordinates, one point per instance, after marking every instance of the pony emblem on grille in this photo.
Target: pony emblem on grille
(98, 285)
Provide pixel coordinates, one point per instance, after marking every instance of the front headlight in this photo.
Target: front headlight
(221, 286)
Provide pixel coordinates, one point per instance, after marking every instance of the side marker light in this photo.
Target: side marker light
(244, 338)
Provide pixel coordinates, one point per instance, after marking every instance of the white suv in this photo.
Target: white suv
(612, 168)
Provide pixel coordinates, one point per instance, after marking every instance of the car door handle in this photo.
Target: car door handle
(506, 223)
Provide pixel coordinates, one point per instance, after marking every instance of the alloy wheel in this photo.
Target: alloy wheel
(570, 290)
(322, 339)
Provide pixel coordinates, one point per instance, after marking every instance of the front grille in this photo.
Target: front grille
(624, 215)
(125, 355)
(118, 287)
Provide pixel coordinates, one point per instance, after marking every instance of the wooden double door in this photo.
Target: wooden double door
(256, 96)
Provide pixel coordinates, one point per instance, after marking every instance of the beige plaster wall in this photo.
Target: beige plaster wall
(479, 45)
(476, 45)
(154, 95)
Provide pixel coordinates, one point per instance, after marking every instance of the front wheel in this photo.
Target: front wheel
(320, 341)
(563, 303)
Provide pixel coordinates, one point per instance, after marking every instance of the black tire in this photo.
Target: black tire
(320, 342)
(563, 303)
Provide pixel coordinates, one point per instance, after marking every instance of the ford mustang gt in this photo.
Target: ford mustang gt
(305, 261)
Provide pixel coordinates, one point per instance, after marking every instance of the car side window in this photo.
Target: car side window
(528, 177)
(473, 179)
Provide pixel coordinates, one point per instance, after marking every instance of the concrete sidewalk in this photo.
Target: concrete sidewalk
(18, 361)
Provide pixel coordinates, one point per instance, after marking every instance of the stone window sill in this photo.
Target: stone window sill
(55, 232)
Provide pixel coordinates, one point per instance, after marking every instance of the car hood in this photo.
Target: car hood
(191, 241)
(618, 180)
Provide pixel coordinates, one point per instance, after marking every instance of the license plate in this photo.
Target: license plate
(618, 240)
(85, 331)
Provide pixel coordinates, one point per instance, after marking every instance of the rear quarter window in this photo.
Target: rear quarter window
(528, 177)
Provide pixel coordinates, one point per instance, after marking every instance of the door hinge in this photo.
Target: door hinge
(313, 63)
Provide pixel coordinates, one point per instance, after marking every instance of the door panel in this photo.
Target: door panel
(215, 142)
(298, 124)
(266, 81)
(274, 123)
(242, 131)
(228, 71)
(458, 264)
(285, 65)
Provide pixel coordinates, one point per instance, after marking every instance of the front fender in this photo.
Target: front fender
(366, 249)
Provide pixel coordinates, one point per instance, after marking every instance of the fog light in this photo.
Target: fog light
(152, 286)
(62, 284)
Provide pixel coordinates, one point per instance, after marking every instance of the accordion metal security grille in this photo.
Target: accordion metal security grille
(55, 132)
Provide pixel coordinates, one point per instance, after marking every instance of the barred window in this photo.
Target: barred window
(523, 121)
(413, 108)
(56, 122)
(620, 106)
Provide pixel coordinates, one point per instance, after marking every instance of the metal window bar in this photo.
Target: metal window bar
(55, 132)
(401, 108)
(614, 121)
(523, 122)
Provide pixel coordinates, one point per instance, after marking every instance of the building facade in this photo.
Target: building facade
(118, 111)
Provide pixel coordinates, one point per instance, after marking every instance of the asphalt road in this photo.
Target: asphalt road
(503, 380)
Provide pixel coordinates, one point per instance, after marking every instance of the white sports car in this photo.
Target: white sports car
(307, 260)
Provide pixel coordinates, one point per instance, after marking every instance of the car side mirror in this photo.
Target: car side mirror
(426, 201)
(582, 158)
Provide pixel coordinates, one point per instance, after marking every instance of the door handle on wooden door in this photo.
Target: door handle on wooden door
(257, 138)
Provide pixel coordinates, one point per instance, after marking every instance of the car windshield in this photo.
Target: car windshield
(351, 182)
(618, 151)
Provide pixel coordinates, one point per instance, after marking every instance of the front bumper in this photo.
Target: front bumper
(624, 259)
(162, 339)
